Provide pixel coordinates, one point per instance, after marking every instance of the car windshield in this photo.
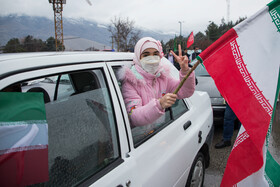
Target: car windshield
(200, 70)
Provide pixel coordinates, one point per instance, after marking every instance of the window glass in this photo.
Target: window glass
(142, 133)
(179, 108)
(45, 85)
(65, 87)
(82, 134)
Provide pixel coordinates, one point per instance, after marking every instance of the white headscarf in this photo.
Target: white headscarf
(145, 43)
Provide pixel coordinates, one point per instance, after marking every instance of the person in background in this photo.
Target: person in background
(228, 128)
(195, 53)
(170, 56)
(147, 87)
(186, 53)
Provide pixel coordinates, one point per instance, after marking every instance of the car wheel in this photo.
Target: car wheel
(196, 176)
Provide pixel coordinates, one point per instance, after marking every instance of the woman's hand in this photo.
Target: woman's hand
(167, 100)
(182, 60)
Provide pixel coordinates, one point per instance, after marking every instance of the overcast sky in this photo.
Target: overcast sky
(158, 15)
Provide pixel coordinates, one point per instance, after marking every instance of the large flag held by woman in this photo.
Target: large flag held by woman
(244, 64)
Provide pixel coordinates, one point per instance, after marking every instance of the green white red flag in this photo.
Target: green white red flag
(23, 139)
(244, 64)
(190, 40)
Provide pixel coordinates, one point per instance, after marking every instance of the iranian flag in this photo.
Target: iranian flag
(23, 139)
(244, 64)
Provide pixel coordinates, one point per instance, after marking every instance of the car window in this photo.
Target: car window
(178, 109)
(65, 87)
(142, 133)
(82, 134)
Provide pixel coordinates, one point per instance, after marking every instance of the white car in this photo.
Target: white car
(90, 140)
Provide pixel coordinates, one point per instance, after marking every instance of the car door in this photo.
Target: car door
(87, 140)
(163, 154)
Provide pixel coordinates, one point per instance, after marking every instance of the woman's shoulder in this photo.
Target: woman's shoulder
(165, 71)
(130, 74)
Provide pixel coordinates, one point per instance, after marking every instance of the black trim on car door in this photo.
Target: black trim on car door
(89, 181)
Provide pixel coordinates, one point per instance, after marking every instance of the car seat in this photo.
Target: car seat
(84, 81)
(45, 93)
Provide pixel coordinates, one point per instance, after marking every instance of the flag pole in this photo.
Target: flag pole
(185, 78)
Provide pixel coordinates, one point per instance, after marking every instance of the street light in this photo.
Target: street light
(180, 27)
(209, 30)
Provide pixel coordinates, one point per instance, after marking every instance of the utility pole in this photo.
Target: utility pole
(209, 31)
(228, 10)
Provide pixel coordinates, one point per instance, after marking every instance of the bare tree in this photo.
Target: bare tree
(115, 30)
(135, 36)
(124, 33)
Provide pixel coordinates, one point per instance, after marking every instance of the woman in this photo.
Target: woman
(147, 87)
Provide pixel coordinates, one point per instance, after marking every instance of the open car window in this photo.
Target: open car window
(141, 134)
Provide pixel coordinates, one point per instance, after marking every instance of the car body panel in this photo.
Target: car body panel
(171, 149)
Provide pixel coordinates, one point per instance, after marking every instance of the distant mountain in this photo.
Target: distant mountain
(13, 26)
(73, 43)
(89, 32)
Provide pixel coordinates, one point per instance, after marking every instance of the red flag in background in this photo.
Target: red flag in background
(190, 40)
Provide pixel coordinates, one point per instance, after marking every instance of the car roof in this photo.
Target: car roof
(11, 62)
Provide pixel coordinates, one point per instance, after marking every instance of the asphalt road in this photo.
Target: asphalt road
(218, 158)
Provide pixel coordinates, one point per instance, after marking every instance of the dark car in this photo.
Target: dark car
(207, 84)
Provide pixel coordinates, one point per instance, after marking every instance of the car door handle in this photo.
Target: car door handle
(186, 125)
(199, 136)
(128, 183)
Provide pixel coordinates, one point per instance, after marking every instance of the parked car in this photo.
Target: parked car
(206, 83)
(90, 140)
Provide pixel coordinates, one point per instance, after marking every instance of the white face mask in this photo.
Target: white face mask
(150, 63)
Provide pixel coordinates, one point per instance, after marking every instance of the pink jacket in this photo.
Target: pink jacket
(142, 90)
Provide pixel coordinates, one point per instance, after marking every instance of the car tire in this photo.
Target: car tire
(197, 172)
